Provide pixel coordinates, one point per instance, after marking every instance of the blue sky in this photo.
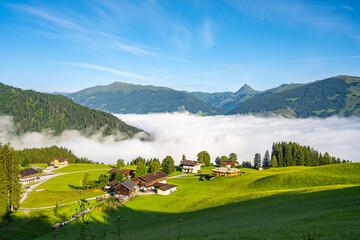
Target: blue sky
(187, 45)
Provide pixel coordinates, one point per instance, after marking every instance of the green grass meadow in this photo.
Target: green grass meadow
(283, 203)
(76, 167)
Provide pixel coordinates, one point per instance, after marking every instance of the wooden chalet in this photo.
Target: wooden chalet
(111, 186)
(147, 182)
(28, 175)
(59, 162)
(224, 171)
(164, 188)
(189, 166)
(127, 188)
(126, 173)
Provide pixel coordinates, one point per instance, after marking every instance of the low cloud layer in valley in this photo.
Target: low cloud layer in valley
(181, 133)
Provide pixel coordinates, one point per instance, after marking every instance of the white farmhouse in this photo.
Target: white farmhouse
(189, 166)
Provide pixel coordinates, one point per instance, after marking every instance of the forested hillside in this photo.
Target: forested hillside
(120, 97)
(333, 96)
(34, 111)
(45, 155)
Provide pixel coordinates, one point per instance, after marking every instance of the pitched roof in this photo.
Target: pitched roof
(114, 171)
(27, 172)
(36, 168)
(60, 159)
(113, 184)
(227, 162)
(153, 176)
(128, 184)
(189, 163)
(164, 186)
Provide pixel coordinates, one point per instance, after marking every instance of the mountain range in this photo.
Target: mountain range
(338, 95)
(34, 112)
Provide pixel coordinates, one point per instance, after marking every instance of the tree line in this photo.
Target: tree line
(10, 187)
(45, 155)
(286, 154)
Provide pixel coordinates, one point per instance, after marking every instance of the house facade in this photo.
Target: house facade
(189, 166)
(147, 182)
(28, 175)
(224, 171)
(126, 188)
(59, 162)
(165, 188)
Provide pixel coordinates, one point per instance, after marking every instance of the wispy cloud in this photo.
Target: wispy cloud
(207, 33)
(106, 69)
(73, 30)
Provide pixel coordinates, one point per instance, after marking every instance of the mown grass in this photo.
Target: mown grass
(284, 203)
(75, 167)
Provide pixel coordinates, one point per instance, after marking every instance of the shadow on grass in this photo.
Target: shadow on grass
(76, 187)
(327, 214)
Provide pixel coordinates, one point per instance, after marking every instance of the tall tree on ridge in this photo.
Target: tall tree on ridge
(266, 160)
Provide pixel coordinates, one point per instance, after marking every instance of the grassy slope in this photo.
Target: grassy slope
(82, 167)
(285, 203)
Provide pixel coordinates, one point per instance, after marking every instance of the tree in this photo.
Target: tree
(257, 160)
(218, 161)
(120, 163)
(119, 176)
(154, 165)
(233, 157)
(183, 158)
(266, 160)
(168, 165)
(246, 164)
(85, 181)
(274, 162)
(141, 169)
(103, 179)
(204, 157)
(25, 162)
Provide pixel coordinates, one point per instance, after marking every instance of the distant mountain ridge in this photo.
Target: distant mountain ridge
(323, 98)
(34, 112)
(120, 97)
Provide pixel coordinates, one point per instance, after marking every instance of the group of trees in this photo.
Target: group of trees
(232, 158)
(144, 166)
(91, 184)
(45, 155)
(293, 154)
(10, 187)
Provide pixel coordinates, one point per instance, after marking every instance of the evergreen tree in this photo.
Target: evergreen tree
(25, 162)
(3, 187)
(218, 161)
(257, 160)
(204, 157)
(274, 162)
(183, 158)
(266, 160)
(168, 165)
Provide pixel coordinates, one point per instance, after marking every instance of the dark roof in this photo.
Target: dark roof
(114, 171)
(113, 184)
(189, 163)
(61, 159)
(128, 184)
(166, 186)
(36, 168)
(28, 171)
(153, 176)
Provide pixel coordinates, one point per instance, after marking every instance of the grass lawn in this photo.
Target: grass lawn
(284, 203)
(75, 167)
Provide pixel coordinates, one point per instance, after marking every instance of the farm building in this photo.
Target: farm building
(111, 186)
(148, 181)
(127, 188)
(228, 164)
(28, 175)
(164, 188)
(126, 173)
(59, 162)
(224, 171)
(38, 169)
(189, 166)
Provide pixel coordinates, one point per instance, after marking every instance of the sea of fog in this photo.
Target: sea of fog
(176, 134)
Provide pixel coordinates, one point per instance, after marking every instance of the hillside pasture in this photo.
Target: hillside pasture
(76, 167)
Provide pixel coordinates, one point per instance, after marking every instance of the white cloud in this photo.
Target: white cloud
(207, 33)
(181, 133)
(106, 69)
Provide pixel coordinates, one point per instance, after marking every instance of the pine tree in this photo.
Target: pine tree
(257, 160)
(3, 186)
(274, 162)
(266, 160)
(183, 158)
